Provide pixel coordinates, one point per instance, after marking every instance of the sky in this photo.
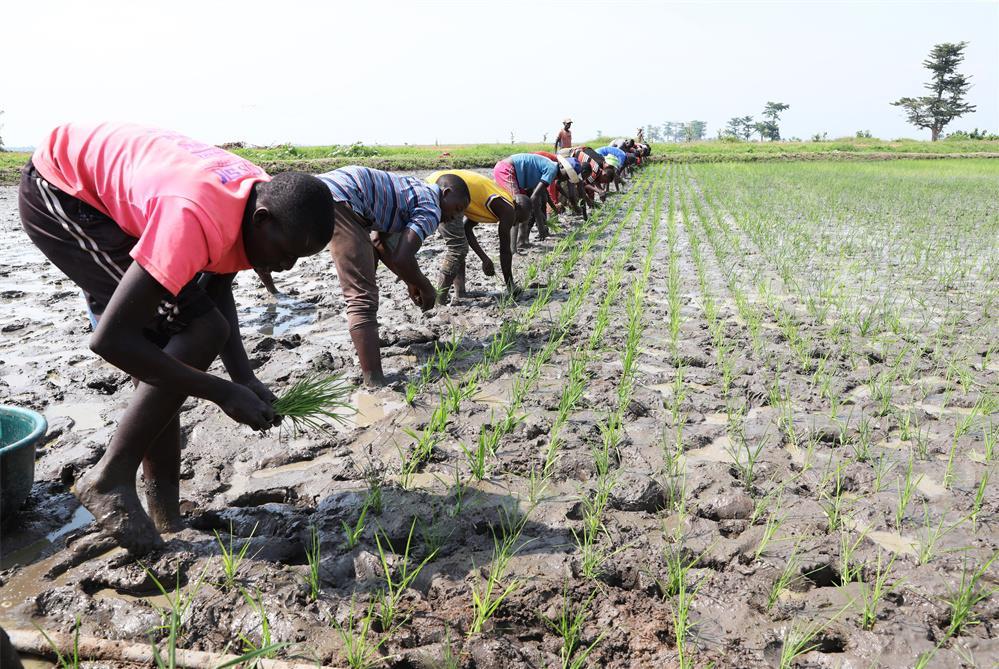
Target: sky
(455, 72)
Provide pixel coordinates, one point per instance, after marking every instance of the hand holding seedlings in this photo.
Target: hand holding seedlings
(315, 404)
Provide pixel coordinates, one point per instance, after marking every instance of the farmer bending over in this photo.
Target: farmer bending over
(153, 226)
(382, 216)
(531, 175)
(488, 204)
(616, 158)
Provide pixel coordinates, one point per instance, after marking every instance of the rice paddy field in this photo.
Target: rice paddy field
(746, 415)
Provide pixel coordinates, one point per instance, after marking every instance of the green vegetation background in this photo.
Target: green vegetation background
(323, 158)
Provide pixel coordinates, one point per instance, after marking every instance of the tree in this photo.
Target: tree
(947, 87)
(767, 130)
(772, 112)
(694, 130)
(734, 127)
(740, 126)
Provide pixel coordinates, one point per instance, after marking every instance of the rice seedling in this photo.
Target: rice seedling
(315, 404)
(787, 576)
(969, 594)
(849, 569)
(266, 647)
(745, 457)
(71, 659)
(979, 499)
(232, 558)
(488, 593)
(568, 625)
(172, 615)
(906, 489)
(313, 555)
(801, 637)
(872, 592)
(360, 651)
(774, 521)
(352, 533)
(882, 467)
(931, 535)
(397, 580)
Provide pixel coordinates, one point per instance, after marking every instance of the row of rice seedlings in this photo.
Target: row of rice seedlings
(435, 367)
(456, 391)
(589, 540)
(568, 625)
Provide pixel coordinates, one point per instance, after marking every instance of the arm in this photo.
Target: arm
(474, 243)
(402, 263)
(219, 288)
(507, 215)
(119, 340)
(541, 191)
(267, 280)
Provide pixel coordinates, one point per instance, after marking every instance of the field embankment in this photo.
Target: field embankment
(317, 159)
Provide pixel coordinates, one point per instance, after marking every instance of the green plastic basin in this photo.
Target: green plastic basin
(20, 430)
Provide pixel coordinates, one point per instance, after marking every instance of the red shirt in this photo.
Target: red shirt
(183, 200)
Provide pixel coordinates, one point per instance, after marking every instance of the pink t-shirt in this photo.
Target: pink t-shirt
(182, 199)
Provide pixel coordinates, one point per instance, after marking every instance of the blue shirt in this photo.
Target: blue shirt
(613, 151)
(532, 169)
(392, 203)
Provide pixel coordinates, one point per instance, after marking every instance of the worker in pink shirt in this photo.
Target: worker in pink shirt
(153, 226)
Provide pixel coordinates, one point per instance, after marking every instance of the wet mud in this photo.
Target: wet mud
(271, 490)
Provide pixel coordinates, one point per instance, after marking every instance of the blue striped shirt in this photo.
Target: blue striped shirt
(392, 203)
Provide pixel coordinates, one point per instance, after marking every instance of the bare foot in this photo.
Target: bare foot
(118, 511)
(163, 502)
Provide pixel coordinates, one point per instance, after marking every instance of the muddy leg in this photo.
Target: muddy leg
(108, 490)
(161, 471)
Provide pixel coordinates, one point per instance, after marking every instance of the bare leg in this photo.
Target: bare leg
(108, 490)
(369, 354)
(161, 471)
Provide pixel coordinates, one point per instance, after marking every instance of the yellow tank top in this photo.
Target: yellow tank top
(481, 188)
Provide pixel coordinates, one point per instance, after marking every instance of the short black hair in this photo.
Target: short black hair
(302, 205)
(456, 184)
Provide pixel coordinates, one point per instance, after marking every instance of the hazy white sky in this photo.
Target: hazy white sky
(394, 72)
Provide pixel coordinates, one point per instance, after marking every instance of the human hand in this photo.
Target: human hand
(488, 268)
(261, 390)
(245, 406)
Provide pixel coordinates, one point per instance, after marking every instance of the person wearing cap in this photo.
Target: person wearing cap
(564, 138)
(488, 203)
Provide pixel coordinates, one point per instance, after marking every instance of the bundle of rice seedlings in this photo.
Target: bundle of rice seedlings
(315, 403)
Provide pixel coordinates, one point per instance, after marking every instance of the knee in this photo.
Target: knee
(362, 312)
(212, 329)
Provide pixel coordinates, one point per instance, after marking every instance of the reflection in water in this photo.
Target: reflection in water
(278, 315)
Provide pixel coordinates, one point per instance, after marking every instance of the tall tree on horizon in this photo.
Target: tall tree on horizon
(947, 89)
(769, 128)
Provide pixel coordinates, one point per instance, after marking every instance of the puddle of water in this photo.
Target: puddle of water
(279, 316)
(896, 543)
(26, 583)
(930, 488)
(294, 466)
(85, 415)
(31, 552)
(716, 419)
(713, 452)
(371, 408)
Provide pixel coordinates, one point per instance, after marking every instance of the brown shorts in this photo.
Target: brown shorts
(356, 265)
(93, 251)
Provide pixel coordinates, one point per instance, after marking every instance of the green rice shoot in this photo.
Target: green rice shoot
(316, 403)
